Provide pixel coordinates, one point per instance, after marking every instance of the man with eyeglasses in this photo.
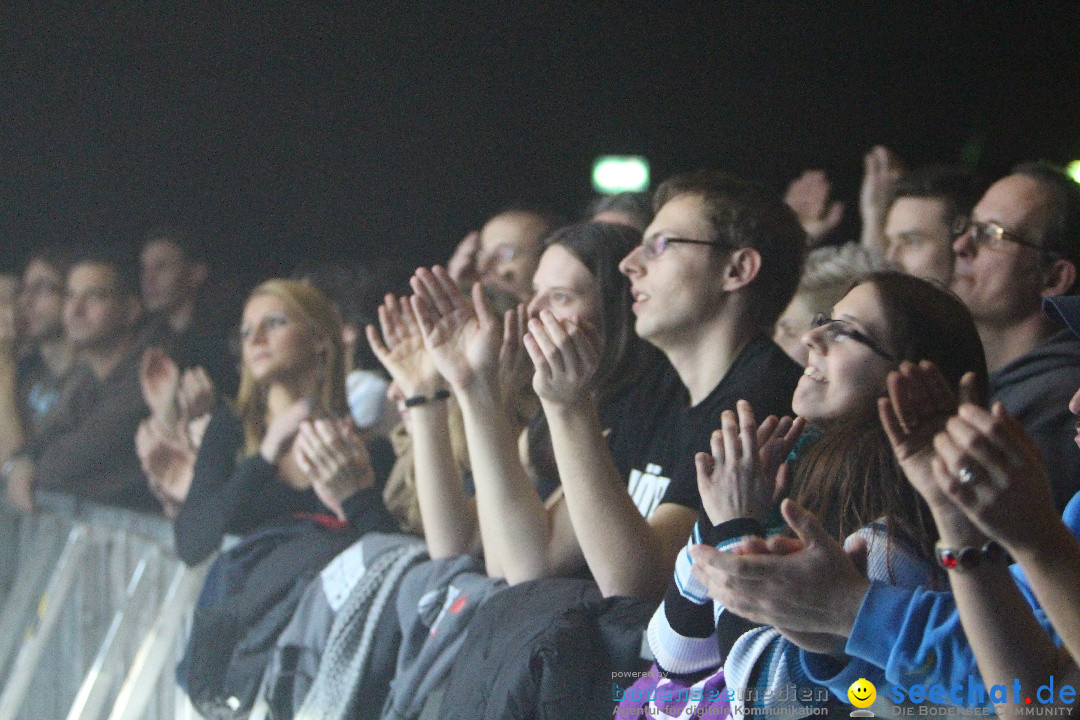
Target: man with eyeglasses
(1022, 245)
(717, 265)
(87, 444)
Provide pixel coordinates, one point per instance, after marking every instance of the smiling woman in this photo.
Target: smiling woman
(842, 471)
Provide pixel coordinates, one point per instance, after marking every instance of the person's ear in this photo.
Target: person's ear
(743, 266)
(1058, 278)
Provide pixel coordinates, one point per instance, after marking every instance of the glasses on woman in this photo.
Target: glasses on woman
(840, 329)
(993, 236)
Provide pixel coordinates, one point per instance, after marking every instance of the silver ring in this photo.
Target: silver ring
(966, 476)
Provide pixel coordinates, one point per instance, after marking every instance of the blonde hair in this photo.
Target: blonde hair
(307, 305)
(829, 272)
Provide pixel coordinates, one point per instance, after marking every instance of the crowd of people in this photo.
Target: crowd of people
(697, 418)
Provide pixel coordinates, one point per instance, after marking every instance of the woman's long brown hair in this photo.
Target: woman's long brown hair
(849, 477)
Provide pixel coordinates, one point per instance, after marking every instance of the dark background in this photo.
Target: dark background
(383, 131)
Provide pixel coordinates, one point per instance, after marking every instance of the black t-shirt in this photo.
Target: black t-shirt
(762, 374)
(628, 418)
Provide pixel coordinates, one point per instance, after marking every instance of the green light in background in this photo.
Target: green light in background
(1073, 169)
(620, 173)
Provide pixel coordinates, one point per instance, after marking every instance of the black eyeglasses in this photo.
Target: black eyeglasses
(991, 235)
(655, 246)
(836, 329)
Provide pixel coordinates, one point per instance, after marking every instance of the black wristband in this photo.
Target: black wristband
(424, 399)
(969, 558)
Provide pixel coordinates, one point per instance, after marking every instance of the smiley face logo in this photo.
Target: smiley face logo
(862, 693)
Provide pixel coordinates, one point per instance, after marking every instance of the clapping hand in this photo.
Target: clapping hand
(746, 474)
(989, 467)
(566, 356)
(919, 403)
(332, 455)
(463, 338)
(809, 196)
(401, 349)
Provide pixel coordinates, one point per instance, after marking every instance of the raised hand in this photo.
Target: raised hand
(168, 460)
(463, 338)
(989, 467)
(464, 265)
(881, 169)
(333, 457)
(809, 195)
(566, 357)
(401, 349)
(918, 405)
(159, 379)
(515, 367)
(196, 395)
(746, 474)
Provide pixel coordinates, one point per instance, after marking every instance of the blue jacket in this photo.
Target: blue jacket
(903, 636)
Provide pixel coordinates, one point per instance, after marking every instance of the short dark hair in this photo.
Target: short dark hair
(748, 214)
(127, 282)
(956, 187)
(1062, 232)
(190, 247)
(634, 205)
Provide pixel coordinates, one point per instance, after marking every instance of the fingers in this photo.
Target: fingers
(484, 313)
(426, 284)
(704, 464)
(805, 524)
(966, 393)
(425, 316)
(747, 427)
(381, 351)
(547, 345)
(954, 460)
(729, 430)
(769, 427)
(388, 320)
(891, 423)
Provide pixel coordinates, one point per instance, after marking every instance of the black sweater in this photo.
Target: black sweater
(236, 496)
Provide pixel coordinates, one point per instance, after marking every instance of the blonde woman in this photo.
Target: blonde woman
(289, 447)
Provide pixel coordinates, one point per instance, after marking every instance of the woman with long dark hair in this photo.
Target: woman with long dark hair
(518, 512)
(843, 471)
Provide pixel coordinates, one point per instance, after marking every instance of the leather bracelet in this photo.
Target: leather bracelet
(424, 399)
(969, 558)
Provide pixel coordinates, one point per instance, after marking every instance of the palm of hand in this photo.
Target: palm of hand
(160, 385)
(462, 346)
(411, 365)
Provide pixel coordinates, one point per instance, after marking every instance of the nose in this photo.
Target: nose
(535, 306)
(630, 266)
(892, 252)
(963, 246)
(814, 339)
(1074, 404)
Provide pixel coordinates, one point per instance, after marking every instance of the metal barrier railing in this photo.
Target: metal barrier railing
(95, 615)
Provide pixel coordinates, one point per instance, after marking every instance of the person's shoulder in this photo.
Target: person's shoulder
(763, 375)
